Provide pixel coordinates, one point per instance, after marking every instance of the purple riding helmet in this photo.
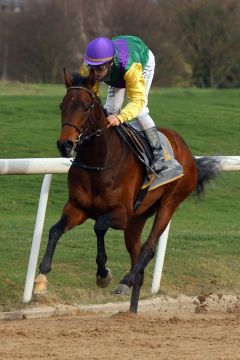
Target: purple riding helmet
(99, 51)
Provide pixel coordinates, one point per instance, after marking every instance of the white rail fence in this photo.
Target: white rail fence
(49, 166)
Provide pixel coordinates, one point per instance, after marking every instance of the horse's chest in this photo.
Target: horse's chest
(93, 203)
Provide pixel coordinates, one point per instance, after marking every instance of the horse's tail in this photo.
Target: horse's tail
(208, 169)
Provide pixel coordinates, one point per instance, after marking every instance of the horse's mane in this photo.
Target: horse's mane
(78, 80)
(88, 82)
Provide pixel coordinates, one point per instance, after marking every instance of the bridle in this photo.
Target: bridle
(83, 136)
(89, 108)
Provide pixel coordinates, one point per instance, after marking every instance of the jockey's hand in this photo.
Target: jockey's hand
(113, 121)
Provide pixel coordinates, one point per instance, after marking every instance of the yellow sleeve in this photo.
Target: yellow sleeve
(84, 72)
(135, 87)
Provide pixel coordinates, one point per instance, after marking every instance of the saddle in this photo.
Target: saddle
(134, 137)
(136, 140)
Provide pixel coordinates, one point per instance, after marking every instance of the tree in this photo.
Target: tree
(195, 42)
(6, 18)
(45, 40)
(210, 40)
(146, 19)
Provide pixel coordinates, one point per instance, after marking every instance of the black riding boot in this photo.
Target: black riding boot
(159, 162)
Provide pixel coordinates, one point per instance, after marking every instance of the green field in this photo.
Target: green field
(203, 249)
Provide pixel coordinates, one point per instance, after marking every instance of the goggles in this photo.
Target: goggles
(99, 68)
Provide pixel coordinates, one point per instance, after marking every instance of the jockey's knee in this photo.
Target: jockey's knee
(145, 121)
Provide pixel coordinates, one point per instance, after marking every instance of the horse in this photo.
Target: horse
(104, 181)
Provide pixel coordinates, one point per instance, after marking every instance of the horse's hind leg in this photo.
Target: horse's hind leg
(103, 276)
(70, 218)
(136, 276)
(132, 236)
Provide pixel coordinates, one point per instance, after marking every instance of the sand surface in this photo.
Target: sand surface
(206, 327)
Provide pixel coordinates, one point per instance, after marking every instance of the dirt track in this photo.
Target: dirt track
(185, 328)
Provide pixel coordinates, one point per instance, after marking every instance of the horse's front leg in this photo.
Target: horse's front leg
(117, 219)
(70, 218)
(103, 276)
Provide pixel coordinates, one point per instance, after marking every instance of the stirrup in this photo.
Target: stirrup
(171, 164)
(166, 165)
(160, 166)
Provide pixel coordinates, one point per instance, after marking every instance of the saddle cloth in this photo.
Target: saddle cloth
(166, 176)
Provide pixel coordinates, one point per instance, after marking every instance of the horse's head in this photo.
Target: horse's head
(76, 112)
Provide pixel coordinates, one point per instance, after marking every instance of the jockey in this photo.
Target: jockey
(127, 65)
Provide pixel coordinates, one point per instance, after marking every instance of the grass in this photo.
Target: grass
(203, 251)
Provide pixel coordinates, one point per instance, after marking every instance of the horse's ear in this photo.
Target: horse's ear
(67, 78)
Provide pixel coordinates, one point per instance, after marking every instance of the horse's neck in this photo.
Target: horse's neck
(103, 147)
(102, 118)
(109, 138)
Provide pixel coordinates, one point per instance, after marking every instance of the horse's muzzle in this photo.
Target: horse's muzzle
(65, 148)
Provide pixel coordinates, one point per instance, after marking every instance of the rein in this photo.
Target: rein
(82, 137)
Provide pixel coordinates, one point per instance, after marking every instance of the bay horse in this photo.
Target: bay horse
(104, 182)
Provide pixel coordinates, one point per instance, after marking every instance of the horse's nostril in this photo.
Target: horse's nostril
(65, 148)
(68, 145)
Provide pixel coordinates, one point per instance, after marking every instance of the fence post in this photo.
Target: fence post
(33, 259)
(162, 245)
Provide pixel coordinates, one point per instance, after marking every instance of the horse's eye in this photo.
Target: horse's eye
(87, 107)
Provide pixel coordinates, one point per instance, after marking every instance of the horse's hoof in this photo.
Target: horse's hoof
(40, 285)
(104, 282)
(122, 289)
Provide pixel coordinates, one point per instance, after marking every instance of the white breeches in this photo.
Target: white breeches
(115, 97)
